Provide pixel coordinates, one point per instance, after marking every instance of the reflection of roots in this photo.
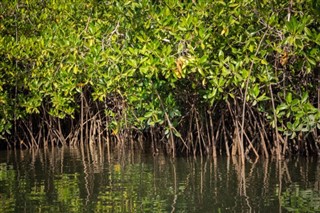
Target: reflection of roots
(167, 177)
(240, 169)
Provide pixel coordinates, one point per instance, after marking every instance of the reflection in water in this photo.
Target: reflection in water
(84, 179)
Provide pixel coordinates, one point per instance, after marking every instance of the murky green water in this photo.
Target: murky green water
(78, 180)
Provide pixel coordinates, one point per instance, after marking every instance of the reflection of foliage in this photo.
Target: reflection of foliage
(127, 191)
(124, 189)
(7, 175)
(6, 172)
(68, 192)
(34, 194)
(67, 198)
(296, 200)
(71, 183)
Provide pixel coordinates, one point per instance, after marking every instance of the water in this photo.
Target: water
(87, 180)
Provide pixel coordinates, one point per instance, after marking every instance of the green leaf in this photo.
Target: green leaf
(256, 90)
(289, 98)
(264, 62)
(233, 5)
(281, 107)
(148, 114)
(304, 97)
(263, 97)
(176, 133)
(203, 59)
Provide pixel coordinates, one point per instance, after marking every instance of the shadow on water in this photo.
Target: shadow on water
(84, 179)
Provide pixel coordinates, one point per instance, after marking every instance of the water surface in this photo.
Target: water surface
(88, 180)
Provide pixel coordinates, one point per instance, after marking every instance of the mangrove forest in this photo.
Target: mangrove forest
(195, 77)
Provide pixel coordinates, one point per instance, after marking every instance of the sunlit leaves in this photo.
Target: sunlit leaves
(126, 52)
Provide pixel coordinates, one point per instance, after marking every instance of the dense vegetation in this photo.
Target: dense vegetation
(195, 77)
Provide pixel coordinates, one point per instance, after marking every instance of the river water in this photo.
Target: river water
(89, 180)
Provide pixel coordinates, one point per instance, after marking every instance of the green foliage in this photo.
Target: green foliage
(154, 61)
